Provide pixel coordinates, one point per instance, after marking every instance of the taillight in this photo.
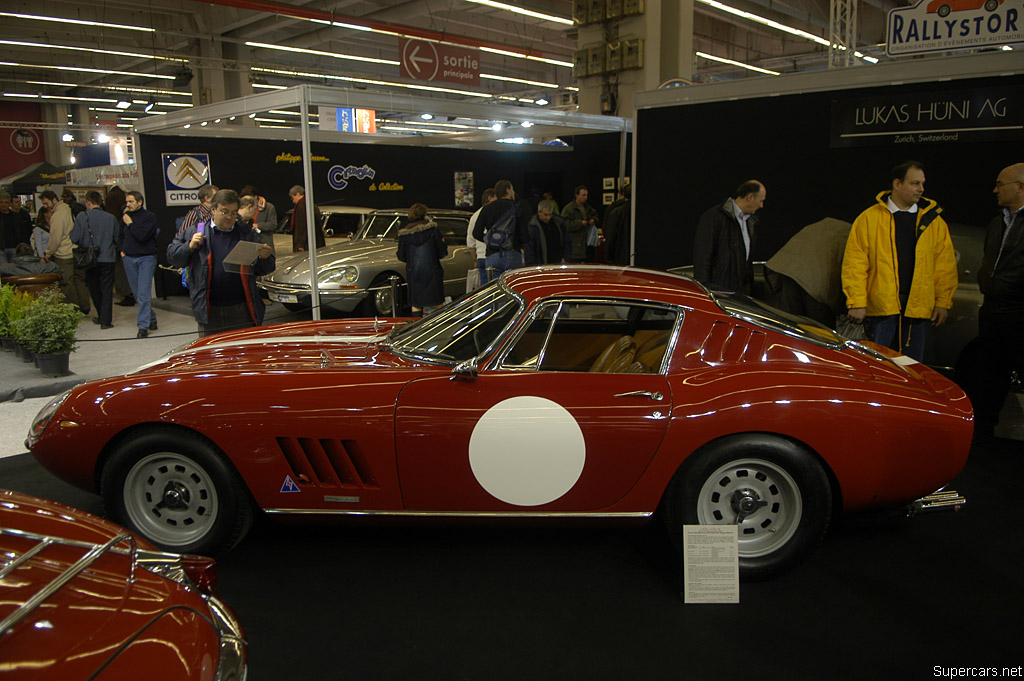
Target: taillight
(201, 571)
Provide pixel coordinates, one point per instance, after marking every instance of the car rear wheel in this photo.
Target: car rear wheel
(378, 301)
(176, 490)
(992, 5)
(774, 491)
(944, 10)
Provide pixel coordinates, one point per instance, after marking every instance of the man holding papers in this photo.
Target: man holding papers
(223, 260)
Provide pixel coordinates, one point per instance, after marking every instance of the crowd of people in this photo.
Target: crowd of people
(898, 272)
(896, 264)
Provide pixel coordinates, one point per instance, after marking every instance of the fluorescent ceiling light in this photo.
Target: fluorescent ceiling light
(123, 104)
(368, 81)
(526, 124)
(20, 94)
(94, 50)
(542, 102)
(780, 27)
(182, 105)
(520, 55)
(264, 86)
(732, 62)
(496, 127)
(268, 120)
(303, 50)
(88, 70)
(533, 83)
(407, 129)
(61, 97)
(354, 27)
(519, 10)
(512, 140)
(76, 22)
(116, 88)
(427, 116)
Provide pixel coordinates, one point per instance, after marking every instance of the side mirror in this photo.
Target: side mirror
(466, 370)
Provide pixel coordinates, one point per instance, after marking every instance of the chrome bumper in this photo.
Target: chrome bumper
(942, 500)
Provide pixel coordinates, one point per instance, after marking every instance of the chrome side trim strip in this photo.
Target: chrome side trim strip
(457, 514)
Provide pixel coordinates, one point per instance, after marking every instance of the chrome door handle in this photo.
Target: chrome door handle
(656, 396)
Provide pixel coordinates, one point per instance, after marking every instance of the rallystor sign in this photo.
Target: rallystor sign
(940, 25)
(424, 60)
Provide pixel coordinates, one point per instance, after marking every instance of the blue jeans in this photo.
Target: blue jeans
(481, 264)
(503, 261)
(912, 330)
(139, 269)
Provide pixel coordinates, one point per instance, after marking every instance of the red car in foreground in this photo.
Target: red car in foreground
(81, 598)
(557, 393)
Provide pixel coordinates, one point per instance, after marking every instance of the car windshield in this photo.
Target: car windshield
(460, 331)
(764, 315)
(382, 226)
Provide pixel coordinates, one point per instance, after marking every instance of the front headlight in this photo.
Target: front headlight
(339, 276)
(42, 419)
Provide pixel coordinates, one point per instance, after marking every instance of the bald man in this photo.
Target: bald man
(1001, 319)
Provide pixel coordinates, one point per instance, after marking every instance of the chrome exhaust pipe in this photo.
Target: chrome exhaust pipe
(942, 500)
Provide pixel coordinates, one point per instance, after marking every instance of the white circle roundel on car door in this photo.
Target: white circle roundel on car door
(527, 451)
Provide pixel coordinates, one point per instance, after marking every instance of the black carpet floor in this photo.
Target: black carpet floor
(883, 597)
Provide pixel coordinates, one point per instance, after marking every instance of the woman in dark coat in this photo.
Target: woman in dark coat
(421, 247)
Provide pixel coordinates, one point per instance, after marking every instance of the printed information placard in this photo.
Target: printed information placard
(711, 564)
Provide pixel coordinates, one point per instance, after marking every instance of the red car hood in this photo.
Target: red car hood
(287, 347)
(99, 618)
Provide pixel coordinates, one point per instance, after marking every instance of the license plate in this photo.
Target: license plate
(284, 298)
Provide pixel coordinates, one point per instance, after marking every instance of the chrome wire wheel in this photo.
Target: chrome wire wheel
(756, 495)
(170, 498)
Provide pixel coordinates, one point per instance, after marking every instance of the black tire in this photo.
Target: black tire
(783, 486)
(178, 491)
(377, 302)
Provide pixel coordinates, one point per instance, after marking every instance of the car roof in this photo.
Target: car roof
(608, 281)
(345, 209)
(437, 212)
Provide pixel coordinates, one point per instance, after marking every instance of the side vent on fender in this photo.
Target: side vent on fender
(327, 463)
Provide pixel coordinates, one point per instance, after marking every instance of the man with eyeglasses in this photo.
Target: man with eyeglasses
(1001, 318)
(221, 299)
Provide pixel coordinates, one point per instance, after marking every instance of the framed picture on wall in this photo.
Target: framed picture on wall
(608, 183)
(607, 198)
(463, 189)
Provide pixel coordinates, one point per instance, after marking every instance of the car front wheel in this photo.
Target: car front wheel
(378, 299)
(177, 491)
(774, 492)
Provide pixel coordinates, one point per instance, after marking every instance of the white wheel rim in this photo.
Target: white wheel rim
(170, 499)
(760, 487)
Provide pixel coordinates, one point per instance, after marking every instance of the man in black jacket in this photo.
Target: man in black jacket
(725, 239)
(1001, 319)
(506, 255)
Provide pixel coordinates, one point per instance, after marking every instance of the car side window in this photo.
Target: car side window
(585, 336)
(340, 224)
(453, 230)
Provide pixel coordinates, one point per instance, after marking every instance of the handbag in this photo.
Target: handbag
(87, 257)
(593, 237)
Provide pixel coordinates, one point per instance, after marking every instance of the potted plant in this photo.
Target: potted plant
(15, 307)
(48, 329)
(6, 300)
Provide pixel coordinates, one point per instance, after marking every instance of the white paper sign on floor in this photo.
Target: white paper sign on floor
(711, 564)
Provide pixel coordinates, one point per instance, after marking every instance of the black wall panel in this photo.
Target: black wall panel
(425, 174)
(690, 157)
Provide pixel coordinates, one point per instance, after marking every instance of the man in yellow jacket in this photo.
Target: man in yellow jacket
(899, 268)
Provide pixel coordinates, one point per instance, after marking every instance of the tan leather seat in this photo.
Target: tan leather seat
(616, 358)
